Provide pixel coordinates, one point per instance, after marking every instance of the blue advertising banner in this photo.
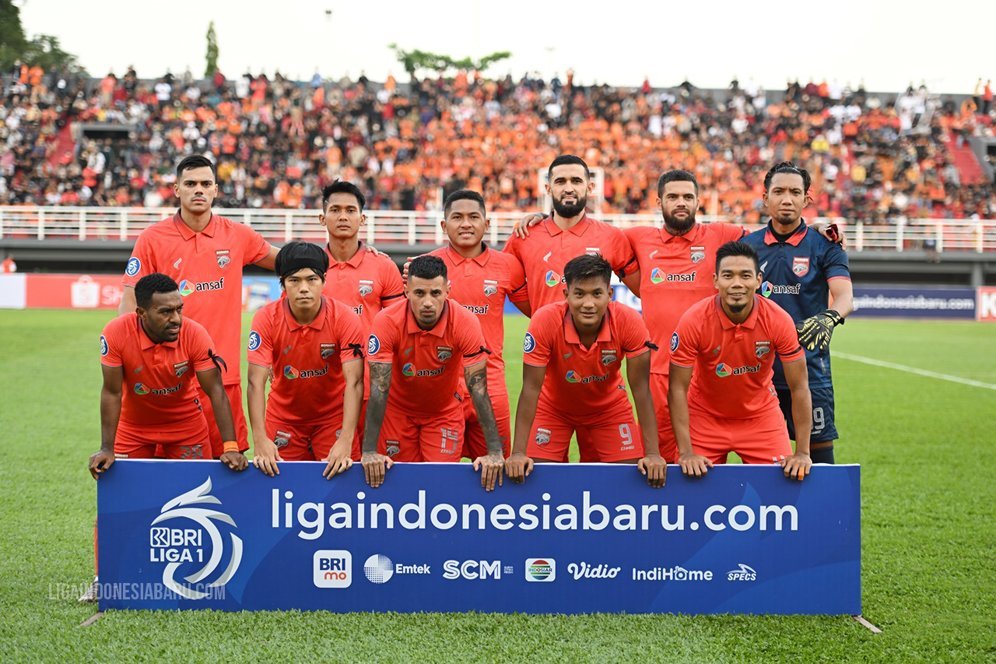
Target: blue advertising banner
(914, 302)
(571, 539)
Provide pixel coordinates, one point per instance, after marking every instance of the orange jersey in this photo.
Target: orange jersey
(547, 249)
(367, 282)
(480, 284)
(158, 382)
(675, 272)
(306, 359)
(208, 268)
(427, 364)
(733, 362)
(583, 381)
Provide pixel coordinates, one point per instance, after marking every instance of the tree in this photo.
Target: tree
(212, 52)
(42, 50)
(415, 60)
(13, 43)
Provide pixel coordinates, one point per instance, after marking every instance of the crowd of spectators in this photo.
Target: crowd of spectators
(873, 157)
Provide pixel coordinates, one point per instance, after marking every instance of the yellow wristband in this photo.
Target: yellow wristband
(230, 446)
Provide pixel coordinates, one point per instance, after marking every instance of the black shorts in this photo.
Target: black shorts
(824, 428)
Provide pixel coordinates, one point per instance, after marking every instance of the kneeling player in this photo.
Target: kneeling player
(314, 347)
(415, 354)
(727, 403)
(571, 380)
(148, 398)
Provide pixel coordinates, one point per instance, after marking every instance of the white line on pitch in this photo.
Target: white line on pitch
(914, 370)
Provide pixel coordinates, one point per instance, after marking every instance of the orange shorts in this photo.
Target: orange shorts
(305, 441)
(234, 394)
(187, 442)
(759, 439)
(430, 437)
(473, 435)
(665, 432)
(611, 436)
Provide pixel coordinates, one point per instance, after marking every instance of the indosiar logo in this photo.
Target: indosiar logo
(541, 570)
(187, 286)
(199, 545)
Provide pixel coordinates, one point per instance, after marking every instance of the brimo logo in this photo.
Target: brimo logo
(179, 546)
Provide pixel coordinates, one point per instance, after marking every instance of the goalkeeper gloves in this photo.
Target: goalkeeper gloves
(815, 331)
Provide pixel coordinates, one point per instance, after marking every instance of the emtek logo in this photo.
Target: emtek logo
(541, 570)
(333, 568)
(745, 573)
(472, 569)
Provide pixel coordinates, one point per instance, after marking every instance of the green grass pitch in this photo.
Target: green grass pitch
(929, 535)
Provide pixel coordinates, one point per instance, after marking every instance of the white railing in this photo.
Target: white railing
(422, 228)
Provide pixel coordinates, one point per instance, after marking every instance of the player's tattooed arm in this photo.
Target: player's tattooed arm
(491, 465)
(380, 386)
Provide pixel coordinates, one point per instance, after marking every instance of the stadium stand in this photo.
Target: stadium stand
(67, 140)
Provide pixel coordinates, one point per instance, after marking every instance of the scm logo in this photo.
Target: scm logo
(472, 569)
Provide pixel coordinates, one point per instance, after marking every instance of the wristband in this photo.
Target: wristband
(230, 446)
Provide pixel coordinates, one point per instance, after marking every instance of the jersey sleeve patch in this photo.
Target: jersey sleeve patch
(675, 341)
(255, 341)
(133, 267)
(529, 343)
(373, 345)
(104, 348)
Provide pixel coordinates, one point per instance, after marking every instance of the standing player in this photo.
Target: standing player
(147, 359)
(480, 278)
(205, 254)
(571, 380)
(720, 394)
(359, 277)
(803, 273)
(415, 355)
(314, 348)
(568, 232)
(674, 264)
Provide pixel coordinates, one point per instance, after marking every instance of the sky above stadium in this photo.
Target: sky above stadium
(888, 45)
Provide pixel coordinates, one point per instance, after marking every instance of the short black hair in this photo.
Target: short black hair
(427, 267)
(675, 175)
(342, 187)
(193, 161)
(568, 159)
(149, 285)
(295, 256)
(587, 267)
(788, 167)
(463, 195)
(737, 249)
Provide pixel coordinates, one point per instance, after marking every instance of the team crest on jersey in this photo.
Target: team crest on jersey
(800, 266)
(326, 350)
(762, 348)
(282, 439)
(609, 356)
(593, 251)
(490, 287)
(443, 353)
(180, 368)
(366, 287)
(223, 257)
(542, 436)
(697, 254)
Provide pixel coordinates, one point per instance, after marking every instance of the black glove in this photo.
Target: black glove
(815, 331)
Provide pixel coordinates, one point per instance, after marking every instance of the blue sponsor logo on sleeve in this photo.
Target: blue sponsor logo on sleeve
(133, 267)
(254, 340)
(529, 343)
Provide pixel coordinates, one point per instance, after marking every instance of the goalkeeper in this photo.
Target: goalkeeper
(808, 276)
